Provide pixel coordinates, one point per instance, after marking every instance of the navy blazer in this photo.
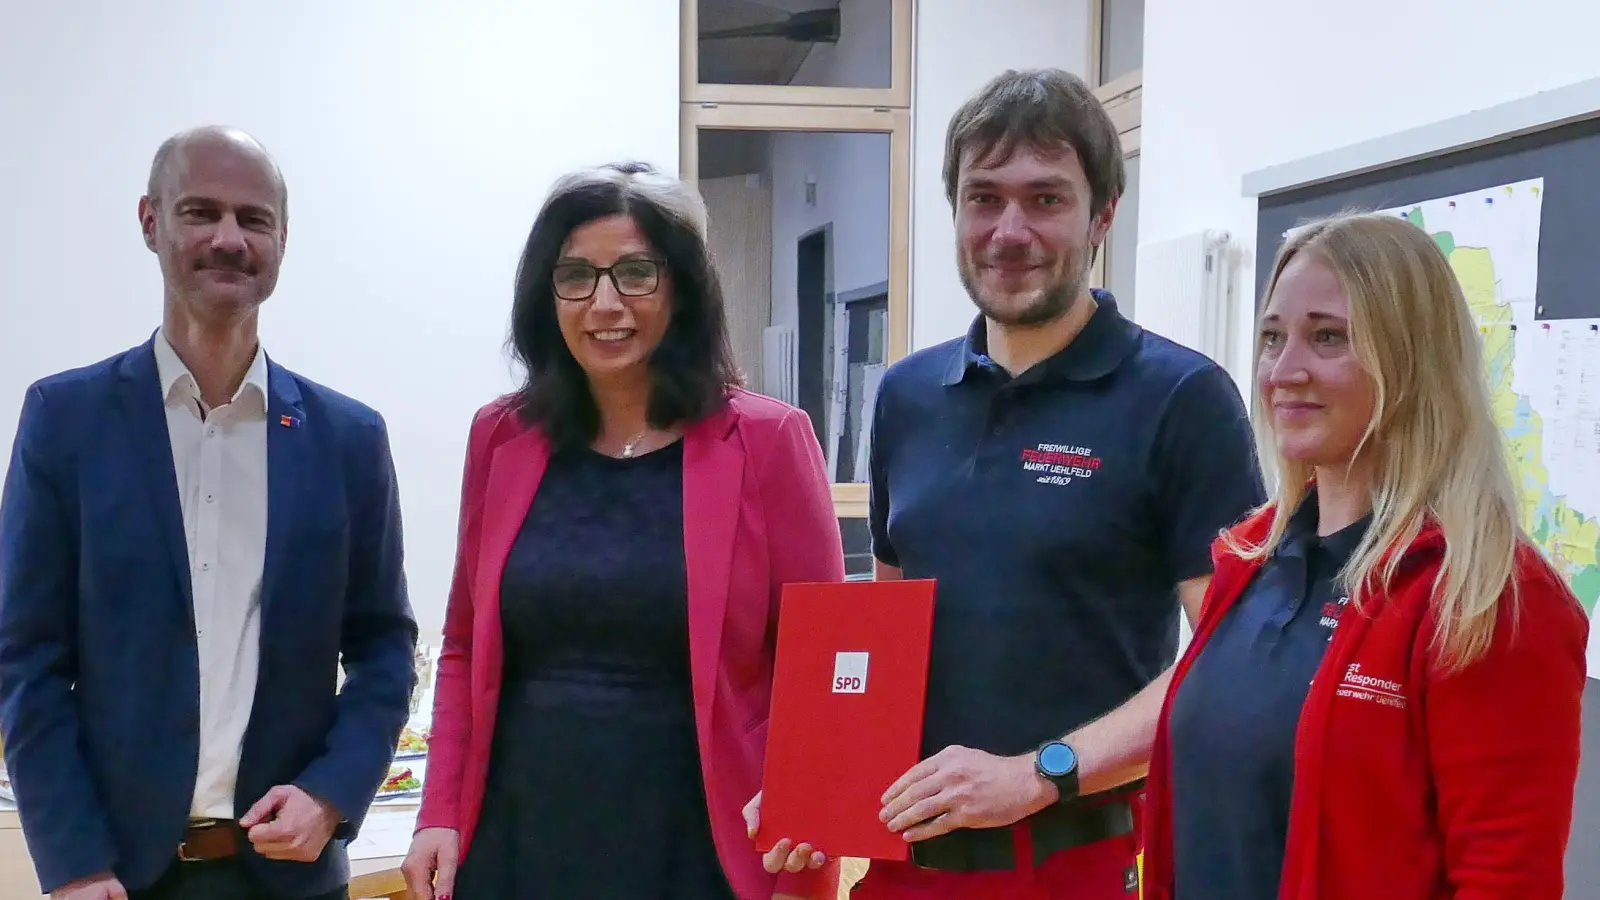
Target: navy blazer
(99, 671)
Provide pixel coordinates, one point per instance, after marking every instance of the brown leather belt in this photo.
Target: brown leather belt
(209, 840)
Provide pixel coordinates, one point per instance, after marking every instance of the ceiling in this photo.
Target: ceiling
(751, 60)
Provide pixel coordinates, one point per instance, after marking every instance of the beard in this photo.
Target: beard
(1039, 306)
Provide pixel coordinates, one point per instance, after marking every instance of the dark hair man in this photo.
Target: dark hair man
(1062, 473)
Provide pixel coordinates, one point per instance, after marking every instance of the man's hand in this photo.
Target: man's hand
(963, 788)
(290, 824)
(103, 886)
(784, 855)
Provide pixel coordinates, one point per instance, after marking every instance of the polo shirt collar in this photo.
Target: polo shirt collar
(1105, 341)
(1301, 533)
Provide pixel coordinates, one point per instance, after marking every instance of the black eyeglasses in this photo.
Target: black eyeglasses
(631, 278)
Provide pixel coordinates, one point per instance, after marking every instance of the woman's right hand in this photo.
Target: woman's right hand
(430, 867)
(784, 856)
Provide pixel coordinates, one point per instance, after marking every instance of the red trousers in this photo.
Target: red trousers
(1104, 870)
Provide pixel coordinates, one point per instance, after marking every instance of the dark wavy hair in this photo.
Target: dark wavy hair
(1040, 109)
(691, 369)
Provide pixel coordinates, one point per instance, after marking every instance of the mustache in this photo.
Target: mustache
(225, 262)
(1015, 256)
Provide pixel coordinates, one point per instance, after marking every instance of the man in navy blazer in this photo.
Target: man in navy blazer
(192, 541)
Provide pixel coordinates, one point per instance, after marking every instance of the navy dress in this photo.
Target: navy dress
(595, 788)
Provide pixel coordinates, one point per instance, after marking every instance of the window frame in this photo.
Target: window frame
(894, 122)
(820, 109)
(1123, 98)
(896, 96)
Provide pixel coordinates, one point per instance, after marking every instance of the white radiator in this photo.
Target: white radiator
(1188, 291)
(780, 363)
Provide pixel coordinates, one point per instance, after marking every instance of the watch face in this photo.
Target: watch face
(1057, 758)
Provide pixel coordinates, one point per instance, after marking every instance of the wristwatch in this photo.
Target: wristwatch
(1057, 763)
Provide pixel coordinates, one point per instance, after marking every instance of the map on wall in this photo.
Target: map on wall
(1544, 375)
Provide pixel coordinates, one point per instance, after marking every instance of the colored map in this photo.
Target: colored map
(1544, 376)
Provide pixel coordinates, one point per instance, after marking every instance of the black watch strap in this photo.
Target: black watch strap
(1057, 763)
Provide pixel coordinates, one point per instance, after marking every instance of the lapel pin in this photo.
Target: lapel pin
(289, 421)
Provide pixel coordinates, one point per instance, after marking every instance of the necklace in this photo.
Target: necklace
(629, 446)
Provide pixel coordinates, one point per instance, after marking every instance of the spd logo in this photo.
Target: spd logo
(850, 673)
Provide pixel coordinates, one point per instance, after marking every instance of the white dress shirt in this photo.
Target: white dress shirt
(220, 458)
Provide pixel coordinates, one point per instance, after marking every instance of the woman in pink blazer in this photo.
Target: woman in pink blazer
(627, 521)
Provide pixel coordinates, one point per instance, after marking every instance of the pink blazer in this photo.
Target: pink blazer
(758, 513)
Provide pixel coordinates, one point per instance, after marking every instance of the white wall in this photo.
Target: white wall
(851, 169)
(961, 45)
(417, 139)
(1232, 86)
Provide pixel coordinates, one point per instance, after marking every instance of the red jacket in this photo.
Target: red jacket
(1411, 784)
(758, 512)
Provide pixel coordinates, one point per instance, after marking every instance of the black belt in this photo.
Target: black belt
(1053, 829)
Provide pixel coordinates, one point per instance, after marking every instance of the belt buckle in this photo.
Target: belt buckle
(183, 845)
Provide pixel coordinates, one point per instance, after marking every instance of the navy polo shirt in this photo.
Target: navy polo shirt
(1234, 718)
(1058, 510)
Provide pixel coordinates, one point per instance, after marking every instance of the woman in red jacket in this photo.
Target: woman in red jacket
(1383, 694)
(627, 521)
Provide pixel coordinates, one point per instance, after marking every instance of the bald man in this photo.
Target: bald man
(192, 540)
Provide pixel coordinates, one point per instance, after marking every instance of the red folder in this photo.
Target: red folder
(849, 685)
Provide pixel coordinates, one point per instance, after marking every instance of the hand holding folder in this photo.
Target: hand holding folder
(785, 854)
(960, 787)
(849, 686)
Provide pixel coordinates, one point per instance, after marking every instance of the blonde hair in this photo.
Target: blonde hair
(1432, 445)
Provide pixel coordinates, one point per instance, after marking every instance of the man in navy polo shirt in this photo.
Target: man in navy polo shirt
(1062, 473)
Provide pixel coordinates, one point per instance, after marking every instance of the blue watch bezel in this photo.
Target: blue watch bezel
(1055, 748)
